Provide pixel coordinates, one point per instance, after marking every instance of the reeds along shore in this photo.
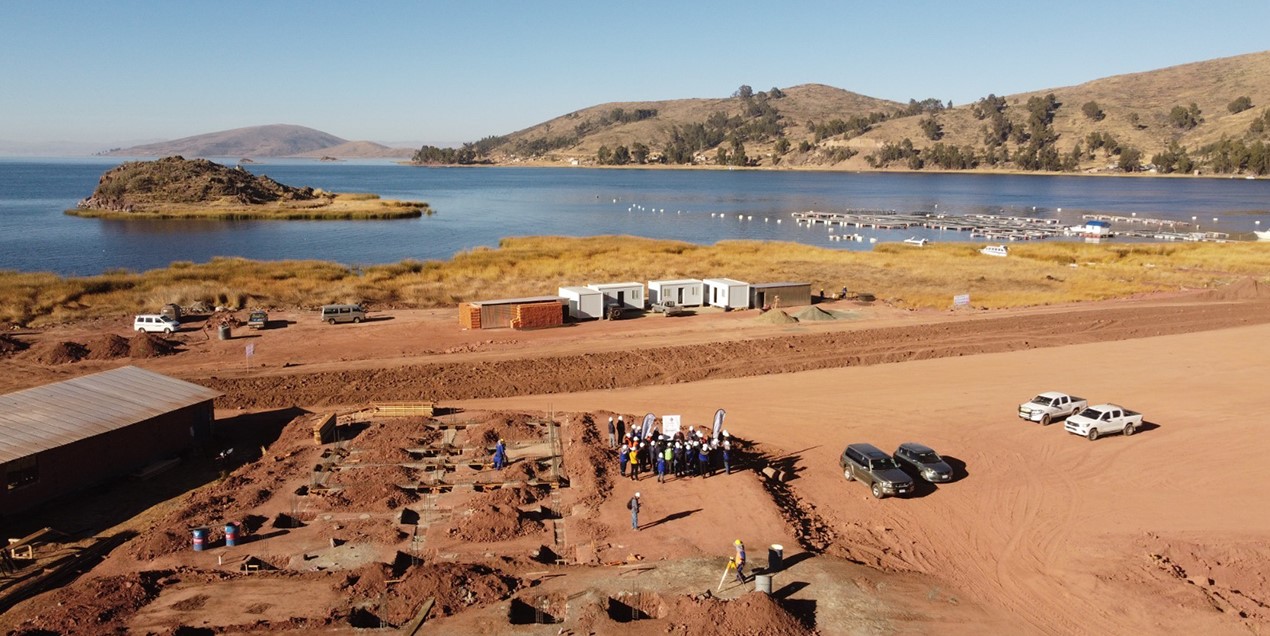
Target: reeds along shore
(337, 207)
(1034, 274)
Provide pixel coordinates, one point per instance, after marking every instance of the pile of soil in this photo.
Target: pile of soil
(455, 586)
(148, 345)
(522, 471)
(589, 463)
(756, 614)
(57, 352)
(94, 605)
(385, 440)
(372, 488)
(486, 524)
(1243, 289)
(108, 347)
(813, 313)
(507, 496)
(9, 344)
(776, 317)
(506, 426)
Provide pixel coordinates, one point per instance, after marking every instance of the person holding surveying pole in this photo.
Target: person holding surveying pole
(740, 560)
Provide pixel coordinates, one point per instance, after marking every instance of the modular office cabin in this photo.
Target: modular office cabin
(685, 293)
(584, 303)
(627, 295)
(67, 436)
(780, 294)
(727, 293)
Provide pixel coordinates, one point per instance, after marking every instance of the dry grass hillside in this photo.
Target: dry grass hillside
(1135, 107)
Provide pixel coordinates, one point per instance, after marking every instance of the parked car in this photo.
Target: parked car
(1050, 406)
(155, 323)
(343, 313)
(868, 464)
(922, 461)
(1104, 419)
(258, 320)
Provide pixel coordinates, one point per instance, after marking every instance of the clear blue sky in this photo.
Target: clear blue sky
(459, 70)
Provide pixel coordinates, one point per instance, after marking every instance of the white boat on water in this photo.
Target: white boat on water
(1262, 236)
(918, 242)
(995, 250)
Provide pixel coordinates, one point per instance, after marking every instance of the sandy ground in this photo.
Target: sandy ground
(1043, 531)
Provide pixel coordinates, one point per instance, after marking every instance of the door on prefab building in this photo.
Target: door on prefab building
(680, 297)
(761, 299)
(621, 298)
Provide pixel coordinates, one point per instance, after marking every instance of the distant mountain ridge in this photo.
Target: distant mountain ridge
(275, 140)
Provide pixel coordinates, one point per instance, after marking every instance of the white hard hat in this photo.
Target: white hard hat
(636, 494)
(725, 432)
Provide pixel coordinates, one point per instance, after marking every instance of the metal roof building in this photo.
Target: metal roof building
(61, 437)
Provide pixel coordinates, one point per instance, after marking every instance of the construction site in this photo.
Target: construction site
(348, 486)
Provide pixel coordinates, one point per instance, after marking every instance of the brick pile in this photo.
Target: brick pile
(470, 316)
(538, 316)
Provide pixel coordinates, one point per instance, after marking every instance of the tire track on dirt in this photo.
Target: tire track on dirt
(725, 359)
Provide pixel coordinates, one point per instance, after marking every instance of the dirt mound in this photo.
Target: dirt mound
(486, 524)
(108, 347)
(755, 614)
(93, 606)
(813, 313)
(590, 466)
(776, 317)
(1242, 289)
(9, 344)
(57, 352)
(455, 586)
(378, 531)
(148, 345)
(506, 426)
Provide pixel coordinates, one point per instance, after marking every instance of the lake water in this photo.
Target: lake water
(478, 206)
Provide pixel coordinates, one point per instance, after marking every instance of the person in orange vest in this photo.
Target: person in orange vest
(740, 560)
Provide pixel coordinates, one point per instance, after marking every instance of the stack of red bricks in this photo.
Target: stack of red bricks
(538, 316)
(470, 316)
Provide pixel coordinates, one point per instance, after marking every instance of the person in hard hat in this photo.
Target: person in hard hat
(727, 454)
(612, 433)
(633, 504)
(624, 456)
(740, 560)
(500, 455)
(621, 427)
(667, 460)
(634, 462)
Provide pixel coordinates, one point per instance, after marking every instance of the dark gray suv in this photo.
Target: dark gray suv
(871, 466)
(923, 461)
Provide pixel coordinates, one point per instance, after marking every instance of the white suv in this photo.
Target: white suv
(155, 323)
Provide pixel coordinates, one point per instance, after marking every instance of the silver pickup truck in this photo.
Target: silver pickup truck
(1050, 406)
(1103, 419)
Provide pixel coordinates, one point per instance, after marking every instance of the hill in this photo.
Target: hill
(175, 187)
(276, 140)
(1211, 116)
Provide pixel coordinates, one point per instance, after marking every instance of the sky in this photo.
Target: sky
(404, 73)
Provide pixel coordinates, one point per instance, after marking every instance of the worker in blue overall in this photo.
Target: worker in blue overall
(500, 455)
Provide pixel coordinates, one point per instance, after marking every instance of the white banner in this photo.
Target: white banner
(669, 425)
(961, 300)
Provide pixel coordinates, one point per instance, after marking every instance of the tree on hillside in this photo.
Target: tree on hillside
(987, 106)
(1092, 111)
(931, 128)
(1130, 159)
(721, 156)
(639, 153)
(1174, 159)
(737, 156)
(782, 146)
(1185, 118)
(1261, 123)
(1240, 104)
(604, 155)
(776, 93)
(744, 92)
(621, 156)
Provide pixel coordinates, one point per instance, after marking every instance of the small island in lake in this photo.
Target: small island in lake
(179, 188)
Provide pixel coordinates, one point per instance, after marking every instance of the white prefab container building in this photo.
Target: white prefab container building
(584, 303)
(727, 293)
(688, 292)
(628, 295)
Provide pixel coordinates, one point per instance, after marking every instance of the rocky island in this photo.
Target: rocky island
(179, 188)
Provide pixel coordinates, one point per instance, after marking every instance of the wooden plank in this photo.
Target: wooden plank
(405, 409)
(323, 429)
(412, 628)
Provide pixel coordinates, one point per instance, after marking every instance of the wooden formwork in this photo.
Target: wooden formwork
(405, 409)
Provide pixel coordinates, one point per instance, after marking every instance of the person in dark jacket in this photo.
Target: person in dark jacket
(612, 433)
(633, 504)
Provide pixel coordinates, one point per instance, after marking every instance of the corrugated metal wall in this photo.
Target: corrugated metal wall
(790, 295)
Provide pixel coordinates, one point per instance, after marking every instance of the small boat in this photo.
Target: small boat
(1262, 236)
(917, 242)
(995, 250)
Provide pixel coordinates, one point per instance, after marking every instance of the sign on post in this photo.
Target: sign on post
(961, 300)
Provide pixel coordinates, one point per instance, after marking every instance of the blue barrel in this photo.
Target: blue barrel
(231, 534)
(200, 539)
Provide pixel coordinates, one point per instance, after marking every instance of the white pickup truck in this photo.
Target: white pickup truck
(1050, 406)
(1103, 419)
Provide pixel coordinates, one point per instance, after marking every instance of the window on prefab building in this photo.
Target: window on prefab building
(21, 472)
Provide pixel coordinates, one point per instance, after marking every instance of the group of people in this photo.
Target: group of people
(681, 454)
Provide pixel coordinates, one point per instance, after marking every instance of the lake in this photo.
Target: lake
(478, 206)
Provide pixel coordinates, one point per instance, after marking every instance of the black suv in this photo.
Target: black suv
(924, 462)
(870, 465)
